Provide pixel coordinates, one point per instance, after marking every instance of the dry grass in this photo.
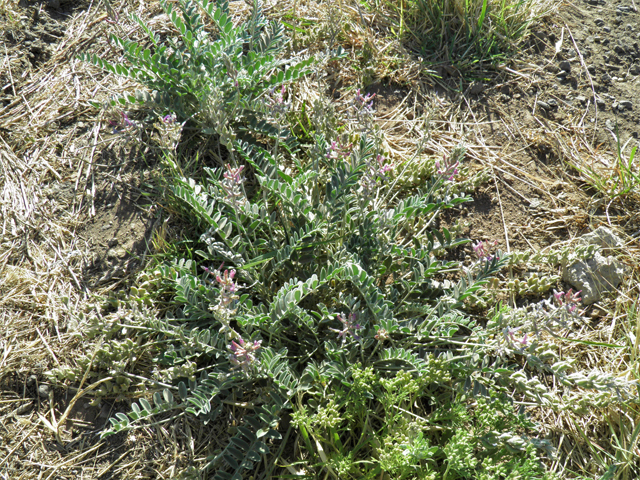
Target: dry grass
(43, 145)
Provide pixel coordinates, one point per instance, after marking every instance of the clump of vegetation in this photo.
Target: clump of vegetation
(464, 33)
(318, 296)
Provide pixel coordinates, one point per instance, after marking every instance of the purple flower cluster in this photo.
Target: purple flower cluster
(276, 101)
(569, 300)
(521, 342)
(169, 119)
(125, 123)
(339, 150)
(481, 249)
(447, 169)
(243, 354)
(364, 102)
(232, 185)
(375, 171)
(349, 327)
(228, 288)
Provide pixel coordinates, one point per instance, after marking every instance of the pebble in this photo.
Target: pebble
(619, 49)
(591, 68)
(599, 22)
(566, 66)
(634, 70)
(544, 105)
(43, 391)
(606, 29)
(581, 99)
(553, 102)
(625, 104)
(610, 125)
(601, 103)
(597, 39)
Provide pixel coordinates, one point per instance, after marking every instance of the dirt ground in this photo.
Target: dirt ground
(75, 194)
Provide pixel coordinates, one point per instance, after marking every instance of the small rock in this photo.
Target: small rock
(553, 102)
(625, 104)
(565, 66)
(32, 380)
(606, 29)
(619, 49)
(116, 253)
(610, 125)
(601, 103)
(597, 39)
(43, 391)
(599, 22)
(634, 70)
(591, 69)
(594, 276)
(112, 243)
(581, 99)
(603, 237)
(590, 39)
(544, 105)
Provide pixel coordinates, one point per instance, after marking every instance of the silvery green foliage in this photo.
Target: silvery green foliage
(215, 79)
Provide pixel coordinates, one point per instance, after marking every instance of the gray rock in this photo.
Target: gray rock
(603, 237)
(599, 274)
(543, 105)
(43, 391)
(610, 125)
(625, 104)
(619, 49)
(601, 103)
(591, 69)
(634, 70)
(582, 99)
(597, 39)
(553, 102)
(606, 29)
(594, 276)
(565, 65)
(599, 22)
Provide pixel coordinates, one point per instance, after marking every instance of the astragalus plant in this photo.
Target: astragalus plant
(213, 73)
